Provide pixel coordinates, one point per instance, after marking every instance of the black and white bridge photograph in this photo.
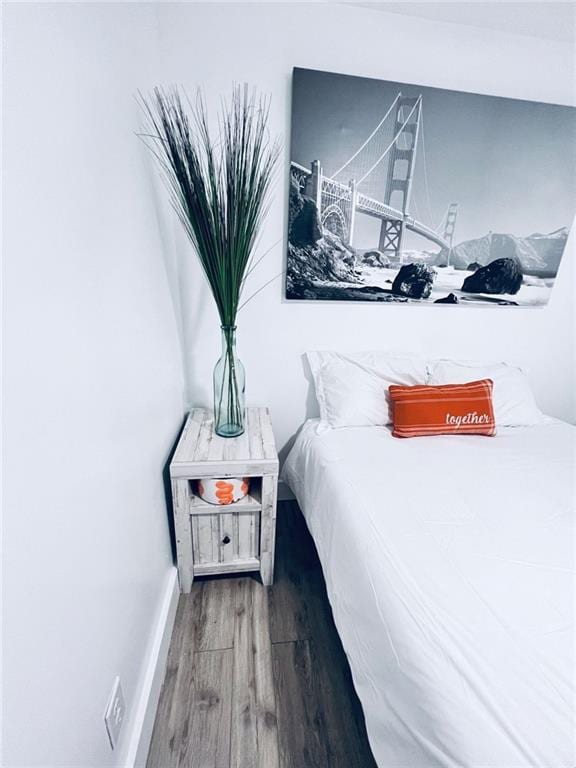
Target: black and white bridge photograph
(405, 193)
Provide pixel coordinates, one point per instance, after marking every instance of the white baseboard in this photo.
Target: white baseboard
(147, 703)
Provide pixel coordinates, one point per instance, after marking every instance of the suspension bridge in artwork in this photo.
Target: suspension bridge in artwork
(387, 158)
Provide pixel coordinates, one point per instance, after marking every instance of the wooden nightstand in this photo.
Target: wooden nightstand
(230, 538)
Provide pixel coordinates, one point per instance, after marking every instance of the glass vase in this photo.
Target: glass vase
(229, 386)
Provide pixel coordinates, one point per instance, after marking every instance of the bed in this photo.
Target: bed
(449, 566)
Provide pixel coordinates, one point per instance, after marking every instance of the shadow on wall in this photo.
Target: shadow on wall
(168, 490)
(312, 410)
(188, 304)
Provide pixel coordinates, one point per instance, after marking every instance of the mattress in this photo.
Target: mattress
(449, 565)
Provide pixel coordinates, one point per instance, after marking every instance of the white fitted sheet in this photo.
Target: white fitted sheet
(449, 564)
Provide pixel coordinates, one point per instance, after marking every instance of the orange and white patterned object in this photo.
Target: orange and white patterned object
(449, 409)
(223, 490)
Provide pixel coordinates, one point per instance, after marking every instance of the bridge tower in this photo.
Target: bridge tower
(450, 224)
(400, 171)
(449, 228)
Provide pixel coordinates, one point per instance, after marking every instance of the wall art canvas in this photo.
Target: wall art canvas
(404, 193)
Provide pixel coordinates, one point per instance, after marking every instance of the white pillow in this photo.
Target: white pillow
(352, 388)
(514, 403)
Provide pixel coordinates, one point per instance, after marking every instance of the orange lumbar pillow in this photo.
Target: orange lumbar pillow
(449, 409)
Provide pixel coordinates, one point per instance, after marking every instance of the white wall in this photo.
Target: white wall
(93, 381)
(260, 44)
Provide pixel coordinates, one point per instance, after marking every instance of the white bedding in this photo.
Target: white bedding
(449, 565)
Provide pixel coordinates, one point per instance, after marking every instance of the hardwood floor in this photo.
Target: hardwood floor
(256, 677)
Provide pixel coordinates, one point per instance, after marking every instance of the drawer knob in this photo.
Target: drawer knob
(226, 540)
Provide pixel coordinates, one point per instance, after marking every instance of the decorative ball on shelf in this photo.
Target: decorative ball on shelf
(223, 490)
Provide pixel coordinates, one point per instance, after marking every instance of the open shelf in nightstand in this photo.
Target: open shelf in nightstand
(200, 507)
(252, 502)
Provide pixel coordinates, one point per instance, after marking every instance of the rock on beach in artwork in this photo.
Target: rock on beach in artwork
(500, 276)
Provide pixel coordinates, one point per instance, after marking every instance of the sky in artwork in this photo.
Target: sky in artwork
(509, 164)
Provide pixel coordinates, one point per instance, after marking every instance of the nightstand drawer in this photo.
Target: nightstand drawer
(226, 538)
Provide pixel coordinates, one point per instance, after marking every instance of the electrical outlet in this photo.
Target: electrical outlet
(114, 714)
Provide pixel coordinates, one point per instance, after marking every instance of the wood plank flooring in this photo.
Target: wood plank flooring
(257, 677)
